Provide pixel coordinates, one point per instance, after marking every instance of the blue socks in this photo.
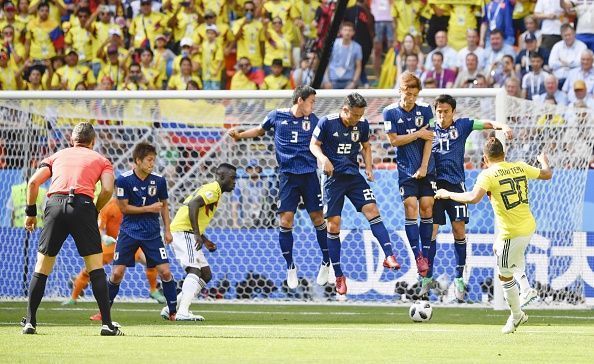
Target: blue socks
(334, 252)
(412, 233)
(426, 231)
(113, 290)
(381, 234)
(460, 248)
(285, 239)
(170, 293)
(431, 251)
(321, 232)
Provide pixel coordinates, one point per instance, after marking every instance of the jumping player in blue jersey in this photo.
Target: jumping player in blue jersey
(336, 143)
(293, 129)
(407, 126)
(142, 197)
(448, 151)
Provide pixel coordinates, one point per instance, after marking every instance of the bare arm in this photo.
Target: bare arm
(490, 124)
(166, 221)
(38, 178)
(106, 190)
(422, 171)
(246, 134)
(368, 159)
(315, 146)
(355, 80)
(472, 197)
(546, 172)
(194, 207)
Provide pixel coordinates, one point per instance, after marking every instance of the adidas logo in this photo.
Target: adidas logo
(335, 134)
(284, 122)
(135, 189)
(400, 121)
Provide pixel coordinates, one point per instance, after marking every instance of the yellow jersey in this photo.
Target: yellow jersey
(147, 27)
(272, 82)
(507, 186)
(248, 44)
(408, 18)
(240, 81)
(212, 61)
(210, 193)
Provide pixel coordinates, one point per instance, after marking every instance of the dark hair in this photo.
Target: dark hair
(493, 148)
(148, 50)
(497, 31)
(43, 4)
(536, 55)
(141, 150)
(347, 23)
(84, 10)
(134, 64)
(83, 133)
(437, 53)
(185, 59)
(303, 92)
(473, 55)
(416, 56)
(566, 26)
(193, 83)
(225, 166)
(508, 57)
(445, 99)
(355, 100)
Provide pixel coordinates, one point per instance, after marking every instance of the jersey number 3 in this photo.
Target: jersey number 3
(294, 137)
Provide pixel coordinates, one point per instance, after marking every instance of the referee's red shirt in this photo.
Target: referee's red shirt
(77, 167)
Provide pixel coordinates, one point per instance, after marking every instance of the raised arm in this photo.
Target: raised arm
(490, 124)
(546, 172)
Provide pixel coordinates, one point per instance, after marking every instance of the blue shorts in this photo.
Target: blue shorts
(294, 187)
(126, 248)
(456, 211)
(355, 187)
(384, 29)
(412, 187)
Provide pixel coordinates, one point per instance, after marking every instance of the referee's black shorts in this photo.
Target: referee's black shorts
(78, 219)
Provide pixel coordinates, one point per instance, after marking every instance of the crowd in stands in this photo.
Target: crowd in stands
(546, 45)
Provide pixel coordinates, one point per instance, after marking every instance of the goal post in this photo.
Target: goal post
(189, 130)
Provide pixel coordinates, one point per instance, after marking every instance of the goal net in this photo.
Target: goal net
(189, 130)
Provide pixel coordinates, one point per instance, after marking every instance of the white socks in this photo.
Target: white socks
(192, 285)
(512, 296)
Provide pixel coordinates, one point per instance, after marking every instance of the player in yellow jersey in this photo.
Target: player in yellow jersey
(506, 183)
(187, 228)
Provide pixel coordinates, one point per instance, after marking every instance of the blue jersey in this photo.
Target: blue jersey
(409, 156)
(291, 140)
(341, 144)
(141, 193)
(448, 150)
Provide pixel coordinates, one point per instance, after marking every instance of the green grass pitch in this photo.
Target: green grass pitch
(241, 333)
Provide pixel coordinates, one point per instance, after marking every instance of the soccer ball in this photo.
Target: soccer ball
(420, 311)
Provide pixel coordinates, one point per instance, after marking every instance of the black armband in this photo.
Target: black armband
(31, 210)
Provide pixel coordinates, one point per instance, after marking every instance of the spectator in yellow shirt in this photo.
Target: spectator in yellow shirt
(69, 75)
(23, 12)
(187, 50)
(183, 20)
(16, 50)
(180, 80)
(18, 26)
(79, 38)
(246, 77)
(8, 72)
(225, 36)
(38, 44)
(212, 59)
(135, 79)
(276, 80)
(112, 69)
(146, 26)
(277, 45)
(33, 82)
(249, 34)
(153, 76)
(101, 29)
(163, 56)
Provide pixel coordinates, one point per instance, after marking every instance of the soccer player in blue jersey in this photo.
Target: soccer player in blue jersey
(142, 197)
(407, 126)
(293, 129)
(448, 151)
(336, 142)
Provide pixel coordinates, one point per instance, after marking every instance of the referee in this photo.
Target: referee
(70, 210)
